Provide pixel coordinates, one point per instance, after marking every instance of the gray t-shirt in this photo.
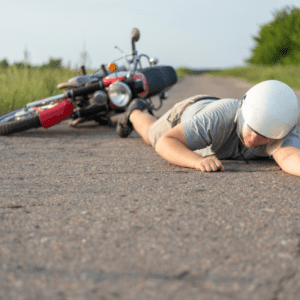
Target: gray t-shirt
(210, 129)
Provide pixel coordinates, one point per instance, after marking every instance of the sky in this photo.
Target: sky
(199, 34)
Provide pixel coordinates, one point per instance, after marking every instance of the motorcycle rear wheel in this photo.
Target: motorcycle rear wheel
(13, 123)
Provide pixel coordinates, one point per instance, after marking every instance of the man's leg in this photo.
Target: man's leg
(146, 125)
(125, 125)
(142, 123)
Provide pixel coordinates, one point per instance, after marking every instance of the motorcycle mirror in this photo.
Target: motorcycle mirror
(153, 61)
(135, 35)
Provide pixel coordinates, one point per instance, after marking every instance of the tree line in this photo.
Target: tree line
(52, 64)
(278, 41)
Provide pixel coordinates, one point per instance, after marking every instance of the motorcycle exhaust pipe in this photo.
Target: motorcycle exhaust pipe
(56, 114)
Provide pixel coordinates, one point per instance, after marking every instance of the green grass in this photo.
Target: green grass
(181, 72)
(20, 86)
(255, 74)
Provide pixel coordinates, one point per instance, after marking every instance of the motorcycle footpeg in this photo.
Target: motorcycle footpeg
(163, 96)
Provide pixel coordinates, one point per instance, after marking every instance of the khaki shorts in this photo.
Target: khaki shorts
(171, 118)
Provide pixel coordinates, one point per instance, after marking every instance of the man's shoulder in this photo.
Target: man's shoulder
(227, 102)
(213, 125)
(292, 139)
(217, 115)
(227, 107)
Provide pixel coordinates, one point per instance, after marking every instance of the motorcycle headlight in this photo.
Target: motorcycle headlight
(119, 93)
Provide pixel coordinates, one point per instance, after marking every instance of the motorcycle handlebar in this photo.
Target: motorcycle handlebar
(84, 90)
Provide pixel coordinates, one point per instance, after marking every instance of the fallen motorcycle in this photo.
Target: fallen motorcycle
(98, 96)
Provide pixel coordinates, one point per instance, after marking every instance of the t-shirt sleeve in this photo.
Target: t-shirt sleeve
(292, 139)
(197, 132)
(210, 125)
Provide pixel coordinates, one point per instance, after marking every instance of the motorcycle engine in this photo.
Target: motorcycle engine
(99, 98)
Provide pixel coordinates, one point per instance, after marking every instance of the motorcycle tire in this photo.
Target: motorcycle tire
(19, 125)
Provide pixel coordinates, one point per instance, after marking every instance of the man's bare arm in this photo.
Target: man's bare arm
(173, 147)
(288, 159)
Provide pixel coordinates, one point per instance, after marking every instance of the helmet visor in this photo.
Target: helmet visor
(257, 132)
(244, 130)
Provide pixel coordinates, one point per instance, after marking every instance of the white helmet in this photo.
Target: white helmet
(269, 108)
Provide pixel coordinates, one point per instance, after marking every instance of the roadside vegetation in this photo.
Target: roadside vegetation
(182, 72)
(18, 86)
(255, 74)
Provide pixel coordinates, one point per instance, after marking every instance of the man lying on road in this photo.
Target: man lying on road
(200, 131)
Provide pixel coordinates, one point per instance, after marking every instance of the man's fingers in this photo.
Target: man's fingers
(202, 168)
(219, 166)
(211, 164)
(214, 166)
(209, 168)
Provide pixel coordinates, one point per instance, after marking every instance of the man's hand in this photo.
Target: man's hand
(208, 164)
(173, 147)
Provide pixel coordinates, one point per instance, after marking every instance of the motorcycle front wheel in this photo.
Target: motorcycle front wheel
(19, 120)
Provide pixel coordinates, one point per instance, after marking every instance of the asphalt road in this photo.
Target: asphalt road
(87, 215)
